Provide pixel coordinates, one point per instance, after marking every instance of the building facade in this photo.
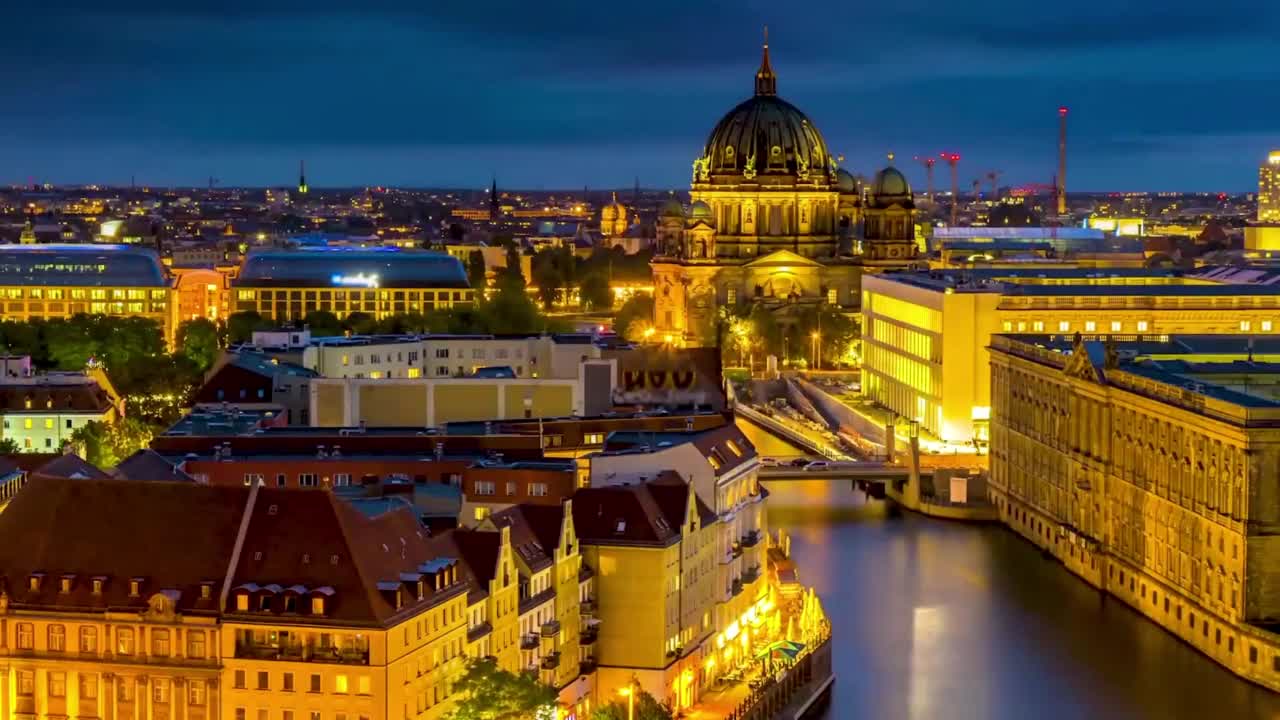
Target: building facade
(773, 220)
(283, 286)
(40, 413)
(42, 282)
(925, 334)
(1269, 189)
(1148, 469)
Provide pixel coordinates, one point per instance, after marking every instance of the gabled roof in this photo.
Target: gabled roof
(147, 464)
(36, 398)
(535, 532)
(172, 536)
(779, 258)
(725, 447)
(477, 553)
(650, 513)
(70, 466)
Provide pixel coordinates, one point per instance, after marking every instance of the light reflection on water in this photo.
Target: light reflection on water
(935, 619)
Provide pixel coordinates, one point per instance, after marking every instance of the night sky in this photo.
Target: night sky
(1172, 95)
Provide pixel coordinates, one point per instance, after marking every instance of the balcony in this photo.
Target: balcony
(587, 666)
(589, 635)
(295, 652)
(751, 575)
(479, 631)
(551, 629)
(587, 607)
(551, 661)
(751, 539)
(529, 641)
(529, 603)
(736, 589)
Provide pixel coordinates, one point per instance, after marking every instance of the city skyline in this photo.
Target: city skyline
(562, 98)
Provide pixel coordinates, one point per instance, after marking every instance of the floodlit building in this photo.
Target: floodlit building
(41, 412)
(58, 281)
(925, 334)
(1148, 467)
(285, 285)
(1269, 189)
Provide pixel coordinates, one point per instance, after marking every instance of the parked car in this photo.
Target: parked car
(769, 462)
(818, 465)
(799, 462)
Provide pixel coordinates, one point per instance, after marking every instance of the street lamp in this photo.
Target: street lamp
(817, 349)
(630, 695)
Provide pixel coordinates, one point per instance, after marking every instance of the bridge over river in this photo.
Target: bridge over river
(981, 626)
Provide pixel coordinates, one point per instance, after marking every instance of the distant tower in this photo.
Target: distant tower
(1062, 160)
(635, 194)
(495, 208)
(1269, 189)
(28, 236)
(302, 177)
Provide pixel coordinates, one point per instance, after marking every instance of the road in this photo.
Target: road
(936, 619)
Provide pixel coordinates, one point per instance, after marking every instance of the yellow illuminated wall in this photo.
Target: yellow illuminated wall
(285, 304)
(1269, 189)
(428, 402)
(26, 303)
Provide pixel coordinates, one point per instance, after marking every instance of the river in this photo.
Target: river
(934, 619)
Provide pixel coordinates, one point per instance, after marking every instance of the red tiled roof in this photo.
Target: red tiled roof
(173, 536)
(69, 465)
(85, 397)
(535, 532)
(621, 514)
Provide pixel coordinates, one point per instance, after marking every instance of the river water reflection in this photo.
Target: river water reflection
(934, 619)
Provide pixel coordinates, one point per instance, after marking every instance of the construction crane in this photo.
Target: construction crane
(928, 163)
(977, 189)
(1061, 180)
(994, 177)
(953, 159)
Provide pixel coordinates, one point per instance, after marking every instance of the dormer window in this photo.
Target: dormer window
(97, 586)
(242, 602)
(264, 603)
(65, 585)
(291, 603)
(206, 590)
(421, 588)
(135, 587)
(317, 606)
(33, 582)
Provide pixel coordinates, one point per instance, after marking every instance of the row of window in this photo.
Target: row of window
(17, 293)
(1115, 326)
(304, 480)
(352, 295)
(342, 683)
(87, 686)
(488, 487)
(124, 640)
(265, 714)
(29, 423)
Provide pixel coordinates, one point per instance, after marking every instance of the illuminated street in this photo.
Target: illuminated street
(938, 619)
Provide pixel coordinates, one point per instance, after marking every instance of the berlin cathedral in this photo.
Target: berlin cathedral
(773, 220)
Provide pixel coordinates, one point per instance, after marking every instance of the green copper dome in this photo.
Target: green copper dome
(891, 187)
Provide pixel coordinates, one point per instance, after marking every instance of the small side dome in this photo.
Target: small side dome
(891, 187)
(700, 211)
(672, 209)
(845, 184)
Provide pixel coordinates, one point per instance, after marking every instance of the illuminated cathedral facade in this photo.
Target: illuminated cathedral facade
(773, 220)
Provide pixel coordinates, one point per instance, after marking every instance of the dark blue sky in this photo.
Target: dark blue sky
(1172, 95)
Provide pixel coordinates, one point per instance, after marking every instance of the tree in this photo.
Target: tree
(547, 278)
(240, 326)
(491, 693)
(9, 446)
(510, 311)
(199, 342)
(476, 271)
(594, 292)
(106, 444)
(634, 317)
(360, 323)
(646, 708)
(322, 323)
(512, 274)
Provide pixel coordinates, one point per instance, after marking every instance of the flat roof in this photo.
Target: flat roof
(1242, 370)
(352, 268)
(1057, 281)
(86, 265)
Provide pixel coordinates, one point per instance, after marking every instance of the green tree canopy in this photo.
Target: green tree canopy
(9, 446)
(548, 279)
(635, 315)
(322, 323)
(106, 444)
(594, 292)
(240, 326)
(646, 708)
(199, 342)
(360, 323)
(476, 270)
(491, 693)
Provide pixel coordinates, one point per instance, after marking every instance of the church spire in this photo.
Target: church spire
(302, 177)
(766, 81)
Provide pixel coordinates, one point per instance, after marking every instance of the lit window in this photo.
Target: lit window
(346, 359)
(482, 512)
(1143, 326)
(833, 296)
(363, 686)
(340, 684)
(1245, 326)
(731, 295)
(48, 423)
(1266, 326)
(124, 641)
(88, 639)
(1115, 326)
(1007, 325)
(317, 605)
(1090, 326)
(1064, 326)
(413, 373)
(537, 489)
(1038, 326)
